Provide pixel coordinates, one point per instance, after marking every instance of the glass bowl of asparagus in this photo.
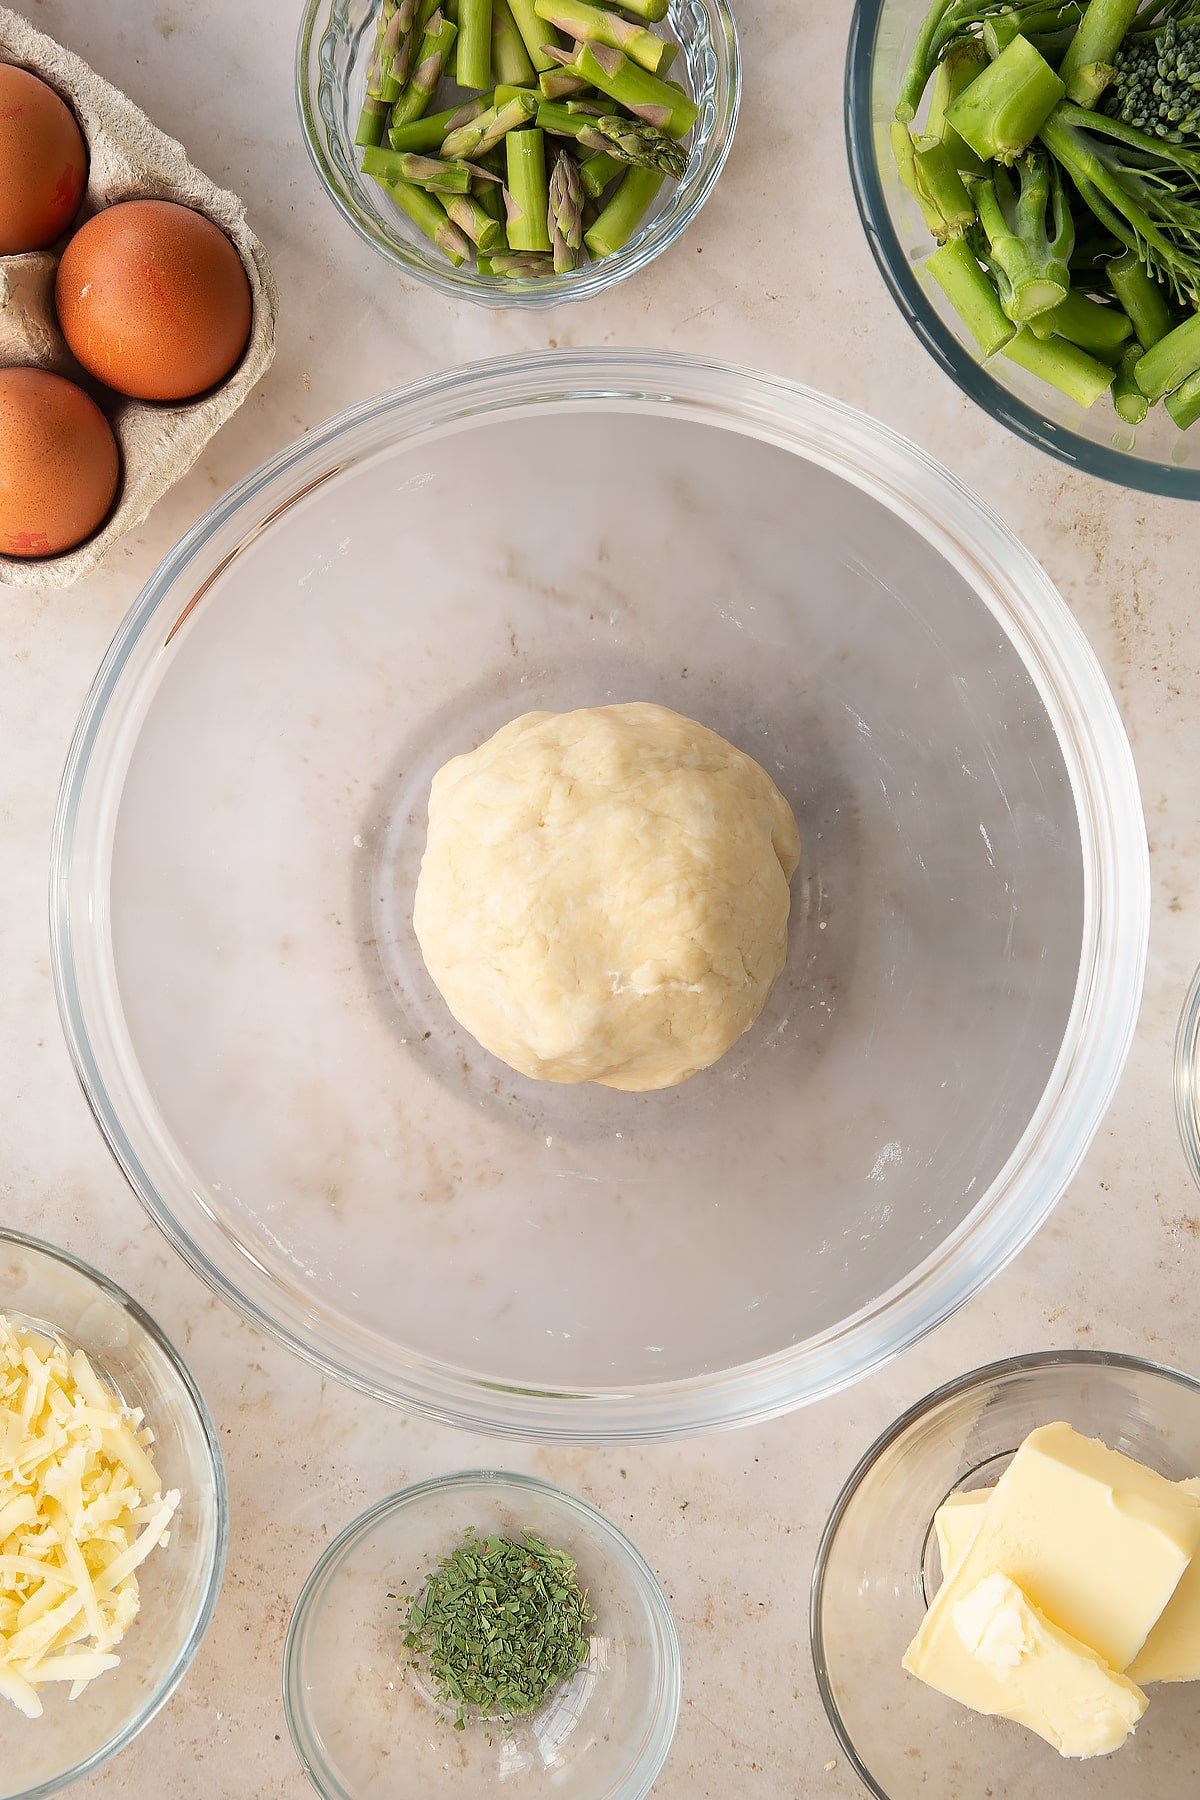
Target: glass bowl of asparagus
(1028, 173)
(518, 151)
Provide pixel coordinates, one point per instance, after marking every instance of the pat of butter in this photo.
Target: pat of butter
(956, 1521)
(1170, 1653)
(1049, 1682)
(1094, 1541)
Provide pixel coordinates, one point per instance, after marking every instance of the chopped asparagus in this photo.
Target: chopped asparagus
(429, 217)
(440, 35)
(592, 24)
(658, 102)
(624, 212)
(565, 213)
(433, 173)
(510, 59)
(528, 197)
(474, 44)
(484, 133)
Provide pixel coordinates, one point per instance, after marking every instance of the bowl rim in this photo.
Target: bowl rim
(218, 1502)
(557, 290)
(913, 1415)
(639, 1781)
(1114, 859)
(953, 357)
(1186, 1073)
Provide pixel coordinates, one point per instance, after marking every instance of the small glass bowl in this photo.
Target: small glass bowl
(49, 1289)
(1187, 1077)
(364, 1722)
(878, 1567)
(1154, 458)
(332, 52)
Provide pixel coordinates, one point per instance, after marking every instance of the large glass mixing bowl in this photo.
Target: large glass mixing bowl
(242, 819)
(1155, 457)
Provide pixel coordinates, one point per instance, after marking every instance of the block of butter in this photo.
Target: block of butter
(1095, 1543)
(1170, 1653)
(1054, 1685)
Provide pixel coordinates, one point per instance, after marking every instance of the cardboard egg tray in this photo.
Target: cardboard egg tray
(130, 159)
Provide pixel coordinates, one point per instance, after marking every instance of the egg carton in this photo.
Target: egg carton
(130, 159)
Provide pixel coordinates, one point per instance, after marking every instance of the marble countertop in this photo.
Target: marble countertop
(730, 1523)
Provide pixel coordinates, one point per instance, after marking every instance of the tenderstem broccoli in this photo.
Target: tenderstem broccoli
(1030, 235)
(1001, 112)
(1156, 82)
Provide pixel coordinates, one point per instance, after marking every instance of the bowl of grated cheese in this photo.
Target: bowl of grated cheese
(113, 1519)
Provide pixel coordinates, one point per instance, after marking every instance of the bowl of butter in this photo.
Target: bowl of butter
(1007, 1594)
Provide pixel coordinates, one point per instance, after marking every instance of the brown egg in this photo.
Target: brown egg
(43, 163)
(58, 464)
(153, 300)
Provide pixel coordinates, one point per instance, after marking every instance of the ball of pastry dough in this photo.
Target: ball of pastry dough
(604, 894)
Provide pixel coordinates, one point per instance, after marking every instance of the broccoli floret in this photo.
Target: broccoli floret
(1156, 83)
(1030, 235)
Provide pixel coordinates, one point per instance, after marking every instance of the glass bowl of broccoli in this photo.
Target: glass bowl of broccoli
(1028, 173)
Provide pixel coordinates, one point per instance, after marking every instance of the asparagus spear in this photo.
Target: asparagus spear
(624, 212)
(565, 215)
(473, 219)
(520, 267)
(591, 24)
(471, 141)
(638, 143)
(597, 171)
(528, 197)
(510, 59)
(428, 216)
(439, 37)
(657, 102)
(653, 11)
(428, 134)
(475, 43)
(374, 112)
(536, 33)
(430, 172)
(628, 140)
(556, 84)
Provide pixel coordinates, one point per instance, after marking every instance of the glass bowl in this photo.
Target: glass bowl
(1187, 1077)
(367, 1726)
(878, 1565)
(331, 61)
(47, 1288)
(1154, 457)
(243, 816)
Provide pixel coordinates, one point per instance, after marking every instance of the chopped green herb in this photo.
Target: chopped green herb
(498, 1625)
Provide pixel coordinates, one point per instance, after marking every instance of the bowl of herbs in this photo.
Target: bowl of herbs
(1028, 173)
(479, 1630)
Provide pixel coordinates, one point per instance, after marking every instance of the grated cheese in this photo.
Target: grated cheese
(81, 1507)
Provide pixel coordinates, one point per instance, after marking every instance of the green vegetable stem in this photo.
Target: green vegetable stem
(1141, 296)
(1101, 330)
(1002, 110)
(1029, 234)
(1065, 366)
(1172, 361)
(970, 291)
(624, 212)
(1088, 66)
(592, 24)
(528, 196)
(1129, 402)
